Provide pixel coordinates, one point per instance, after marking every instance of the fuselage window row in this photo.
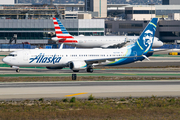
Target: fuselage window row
(76, 55)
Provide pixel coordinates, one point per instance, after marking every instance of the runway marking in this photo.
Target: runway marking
(75, 94)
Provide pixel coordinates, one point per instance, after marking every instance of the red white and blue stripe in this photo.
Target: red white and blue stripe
(61, 32)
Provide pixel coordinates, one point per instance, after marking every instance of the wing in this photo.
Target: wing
(158, 50)
(92, 61)
(119, 45)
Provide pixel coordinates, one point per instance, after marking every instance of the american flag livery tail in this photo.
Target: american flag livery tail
(61, 33)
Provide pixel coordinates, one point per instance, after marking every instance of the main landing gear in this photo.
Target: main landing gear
(90, 69)
(17, 70)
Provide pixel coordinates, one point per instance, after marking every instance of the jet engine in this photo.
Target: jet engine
(77, 65)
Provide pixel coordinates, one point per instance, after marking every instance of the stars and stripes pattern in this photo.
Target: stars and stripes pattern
(62, 33)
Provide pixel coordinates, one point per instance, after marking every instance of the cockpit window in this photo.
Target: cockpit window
(13, 55)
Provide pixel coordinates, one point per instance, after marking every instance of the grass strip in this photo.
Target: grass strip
(82, 78)
(4, 65)
(165, 55)
(91, 108)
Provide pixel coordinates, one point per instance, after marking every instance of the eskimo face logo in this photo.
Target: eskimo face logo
(147, 38)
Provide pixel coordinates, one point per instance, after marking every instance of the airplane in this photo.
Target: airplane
(79, 59)
(62, 36)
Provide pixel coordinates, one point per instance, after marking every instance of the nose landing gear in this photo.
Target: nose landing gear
(16, 68)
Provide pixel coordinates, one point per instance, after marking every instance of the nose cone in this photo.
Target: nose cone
(5, 60)
(160, 43)
(157, 44)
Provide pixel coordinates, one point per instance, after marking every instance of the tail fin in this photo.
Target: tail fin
(145, 40)
(60, 30)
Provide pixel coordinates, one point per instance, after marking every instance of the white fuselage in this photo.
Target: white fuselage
(106, 41)
(61, 57)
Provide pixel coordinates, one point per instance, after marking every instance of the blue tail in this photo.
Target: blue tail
(64, 31)
(145, 40)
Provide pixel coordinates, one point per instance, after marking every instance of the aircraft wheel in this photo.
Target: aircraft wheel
(17, 70)
(90, 70)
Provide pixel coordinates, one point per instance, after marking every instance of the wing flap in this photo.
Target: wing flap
(119, 45)
(101, 60)
(158, 50)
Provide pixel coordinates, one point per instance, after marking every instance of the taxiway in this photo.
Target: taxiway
(59, 90)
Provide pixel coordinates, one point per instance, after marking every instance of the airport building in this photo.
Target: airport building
(99, 6)
(38, 31)
(33, 23)
(170, 2)
(159, 10)
(31, 11)
(167, 31)
(140, 12)
(7, 2)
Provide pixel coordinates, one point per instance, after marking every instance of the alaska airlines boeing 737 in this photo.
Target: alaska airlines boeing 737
(62, 36)
(77, 59)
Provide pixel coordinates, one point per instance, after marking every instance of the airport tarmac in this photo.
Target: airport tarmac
(158, 72)
(59, 90)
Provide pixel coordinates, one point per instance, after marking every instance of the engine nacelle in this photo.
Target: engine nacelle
(54, 67)
(77, 65)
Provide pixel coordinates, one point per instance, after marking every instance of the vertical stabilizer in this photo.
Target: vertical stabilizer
(146, 39)
(61, 33)
(60, 30)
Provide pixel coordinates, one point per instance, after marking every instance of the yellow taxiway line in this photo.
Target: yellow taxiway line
(74, 94)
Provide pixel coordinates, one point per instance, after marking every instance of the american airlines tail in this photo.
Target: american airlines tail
(145, 41)
(61, 33)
